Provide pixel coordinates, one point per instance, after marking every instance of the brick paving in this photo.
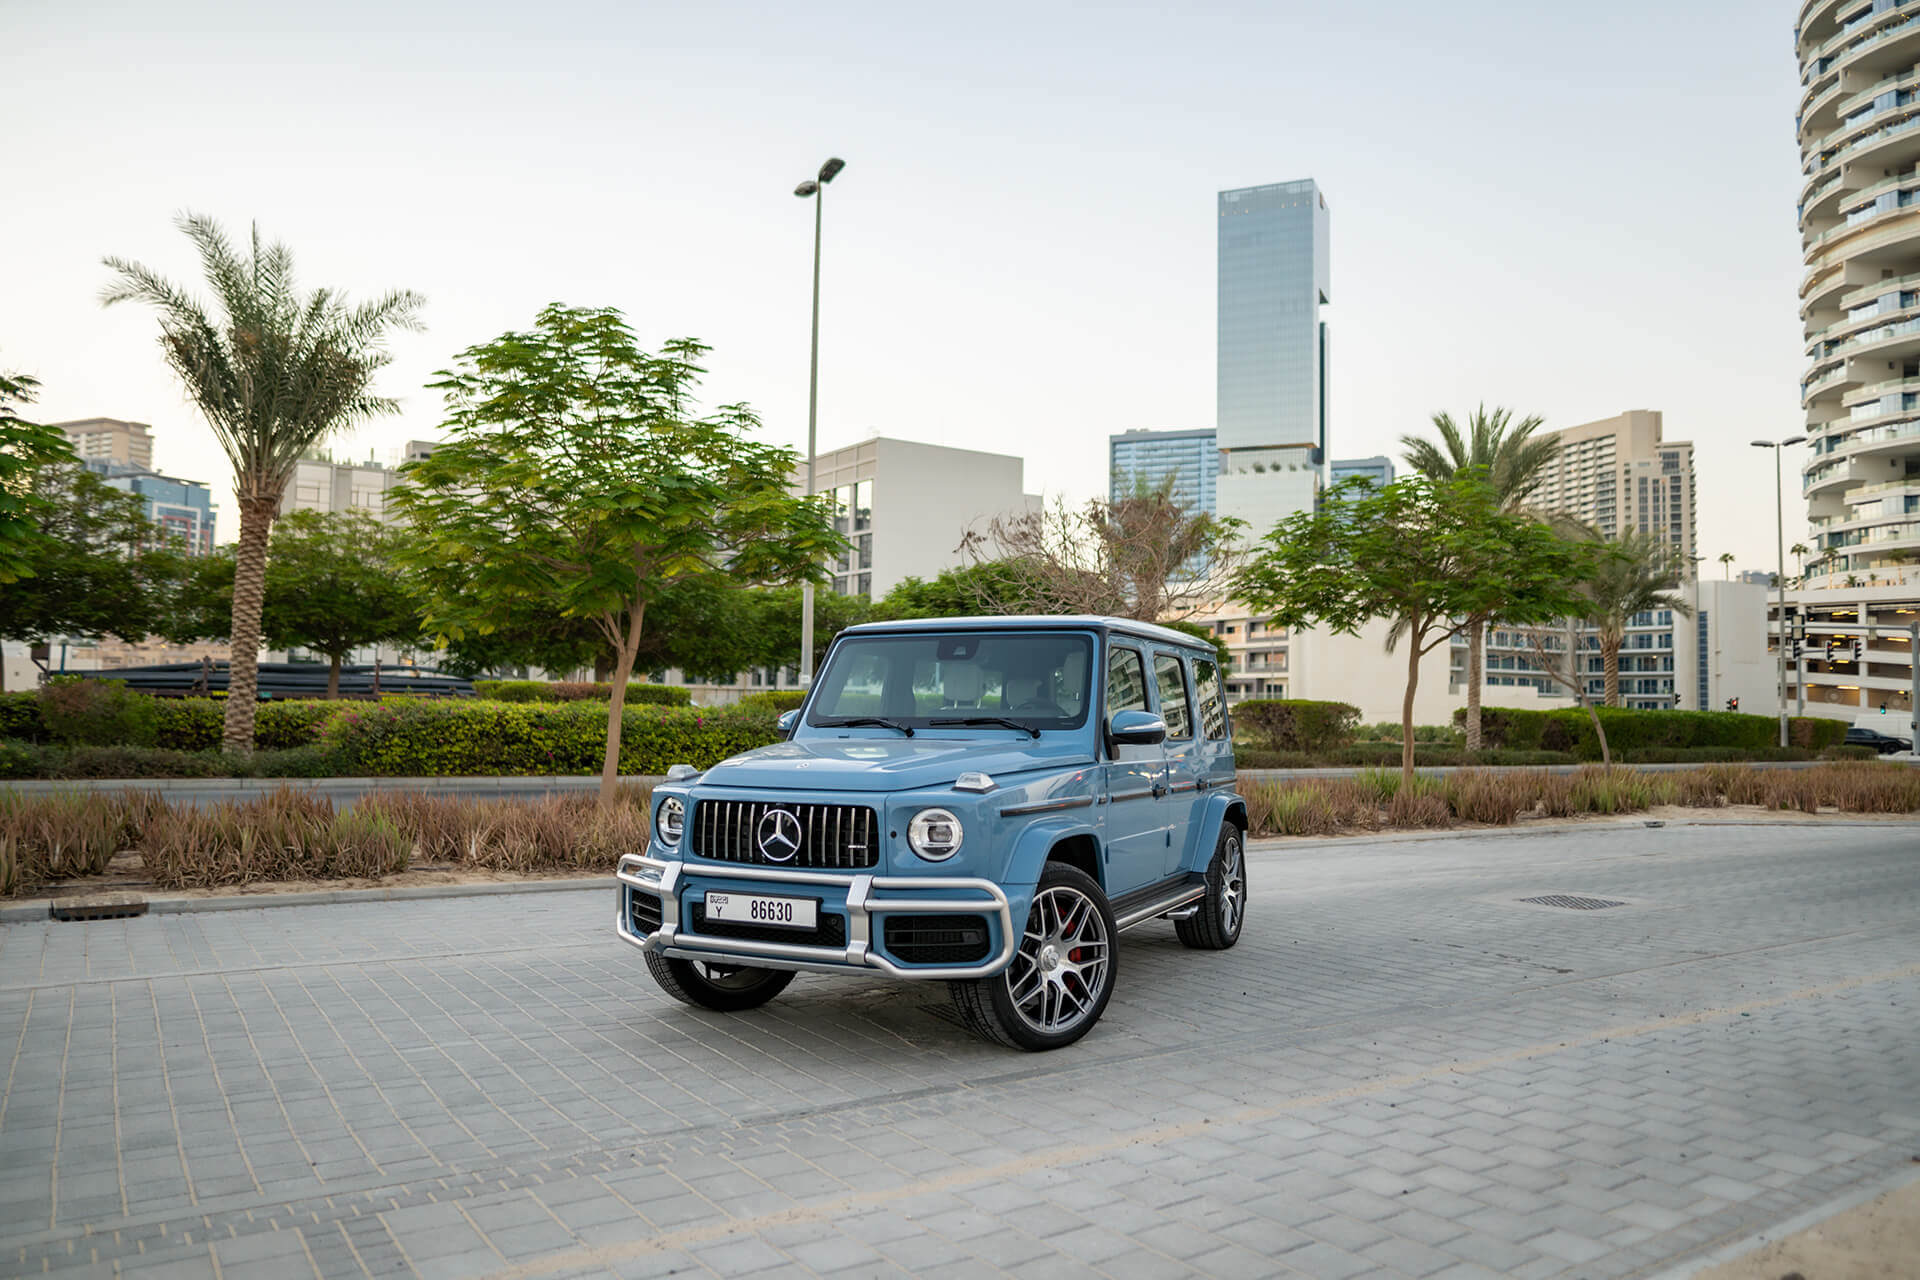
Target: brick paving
(1400, 1072)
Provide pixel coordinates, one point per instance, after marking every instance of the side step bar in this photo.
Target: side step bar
(1181, 895)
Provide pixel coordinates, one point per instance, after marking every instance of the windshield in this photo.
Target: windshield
(1038, 678)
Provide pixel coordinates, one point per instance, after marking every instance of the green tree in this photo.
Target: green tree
(274, 369)
(577, 479)
(1800, 551)
(92, 566)
(1511, 458)
(335, 584)
(1726, 564)
(26, 450)
(984, 587)
(1634, 573)
(1426, 554)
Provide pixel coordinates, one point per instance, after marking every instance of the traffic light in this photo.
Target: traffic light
(1833, 644)
(1857, 645)
(1733, 704)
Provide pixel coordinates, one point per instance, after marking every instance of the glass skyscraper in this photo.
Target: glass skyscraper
(1147, 459)
(1271, 403)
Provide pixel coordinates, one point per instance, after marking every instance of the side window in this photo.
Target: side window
(1213, 707)
(1174, 707)
(1126, 681)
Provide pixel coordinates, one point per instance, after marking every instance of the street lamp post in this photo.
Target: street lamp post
(814, 189)
(1780, 578)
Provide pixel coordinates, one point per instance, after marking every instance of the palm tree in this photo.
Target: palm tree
(1638, 573)
(1726, 564)
(1512, 459)
(275, 371)
(1800, 550)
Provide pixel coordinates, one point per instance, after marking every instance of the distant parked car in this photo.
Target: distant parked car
(1885, 743)
(986, 802)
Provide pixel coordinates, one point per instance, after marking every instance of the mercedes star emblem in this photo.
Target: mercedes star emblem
(779, 835)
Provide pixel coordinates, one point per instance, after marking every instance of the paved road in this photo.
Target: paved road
(1402, 1071)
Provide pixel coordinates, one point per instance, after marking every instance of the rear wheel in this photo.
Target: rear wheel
(1062, 972)
(725, 987)
(1216, 925)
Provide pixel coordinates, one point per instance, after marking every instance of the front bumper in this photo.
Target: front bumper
(866, 896)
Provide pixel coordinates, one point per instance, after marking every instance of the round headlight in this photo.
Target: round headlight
(672, 820)
(934, 834)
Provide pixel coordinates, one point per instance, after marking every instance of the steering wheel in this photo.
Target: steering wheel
(1038, 707)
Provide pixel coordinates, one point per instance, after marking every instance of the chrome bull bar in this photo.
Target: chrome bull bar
(662, 877)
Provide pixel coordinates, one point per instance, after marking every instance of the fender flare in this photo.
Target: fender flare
(1029, 856)
(1222, 806)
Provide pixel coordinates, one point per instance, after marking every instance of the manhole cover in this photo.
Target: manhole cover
(1572, 902)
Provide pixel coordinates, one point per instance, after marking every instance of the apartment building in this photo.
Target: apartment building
(1621, 475)
(109, 440)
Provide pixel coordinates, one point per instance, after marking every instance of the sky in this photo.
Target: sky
(1571, 210)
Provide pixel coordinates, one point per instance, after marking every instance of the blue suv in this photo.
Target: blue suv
(987, 802)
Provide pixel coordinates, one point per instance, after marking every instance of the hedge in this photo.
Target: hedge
(774, 700)
(1568, 729)
(434, 739)
(638, 693)
(1296, 724)
(188, 724)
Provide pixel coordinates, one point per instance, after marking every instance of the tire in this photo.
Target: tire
(1064, 969)
(1217, 924)
(725, 988)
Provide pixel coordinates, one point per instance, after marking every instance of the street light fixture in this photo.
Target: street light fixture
(814, 189)
(1780, 578)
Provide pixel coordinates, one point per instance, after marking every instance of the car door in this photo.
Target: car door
(1135, 782)
(1185, 758)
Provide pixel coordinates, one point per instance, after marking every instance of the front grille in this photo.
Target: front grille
(832, 837)
(830, 932)
(643, 912)
(918, 939)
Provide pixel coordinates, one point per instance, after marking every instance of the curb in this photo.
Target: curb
(187, 787)
(36, 911)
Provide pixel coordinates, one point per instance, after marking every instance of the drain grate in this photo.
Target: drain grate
(110, 906)
(1572, 902)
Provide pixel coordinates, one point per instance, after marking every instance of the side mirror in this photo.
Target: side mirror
(1136, 729)
(787, 722)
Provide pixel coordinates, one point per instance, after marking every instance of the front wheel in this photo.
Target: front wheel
(723, 987)
(1216, 925)
(1061, 975)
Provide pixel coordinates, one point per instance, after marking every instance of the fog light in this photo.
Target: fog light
(934, 834)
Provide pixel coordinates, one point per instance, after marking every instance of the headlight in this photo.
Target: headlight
(934, 834)
(672, 820)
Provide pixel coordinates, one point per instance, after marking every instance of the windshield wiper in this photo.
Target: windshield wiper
(851, 722)
(999, 720)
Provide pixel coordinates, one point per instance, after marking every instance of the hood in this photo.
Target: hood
(887, 764)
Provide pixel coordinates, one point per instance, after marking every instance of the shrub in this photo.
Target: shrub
(20, 717)
(1476, 795)
(1423, 803)
(97, 713)
(638, 692)
(1616, 790)
(1294, 724)
(1847, 751)
(454, 738)
(288, 835)
(20, 759)
(59, 836)
(1570, 729)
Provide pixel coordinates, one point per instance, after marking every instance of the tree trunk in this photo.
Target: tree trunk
(1406, 707)
(1610, 663)
(249, 590)
(333, 676)
(1476, 661)
(1599, 731)
(617, 704)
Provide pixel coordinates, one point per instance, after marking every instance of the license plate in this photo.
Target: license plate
(753, 908)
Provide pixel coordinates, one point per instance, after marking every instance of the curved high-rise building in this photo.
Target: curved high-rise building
(1859, 130)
